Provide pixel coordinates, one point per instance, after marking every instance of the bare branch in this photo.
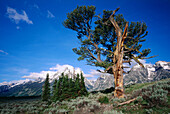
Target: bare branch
(125, 72)
(98, 59)
(128, 61)
(125, 30)
(109, 68)
(127, 102)
(114, 22)
(149, 57)
(136, 59)
(100, 71)
(125, 67)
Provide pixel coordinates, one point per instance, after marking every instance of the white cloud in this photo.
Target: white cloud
(1, 51)
(56, 70)
(49, 14)
(93, 73)
(17, 17)
(42, 74)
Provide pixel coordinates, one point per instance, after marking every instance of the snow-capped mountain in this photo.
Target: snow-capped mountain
(161, 70)
(33, 87)
(89, 84)
(103, 82)
(22, 88)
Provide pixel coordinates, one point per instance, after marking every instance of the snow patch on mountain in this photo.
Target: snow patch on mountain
(54, 73)
(15, 82)
(163, 64)
(160, 70)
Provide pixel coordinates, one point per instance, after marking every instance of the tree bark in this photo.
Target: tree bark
(118, 58)
(117, 69)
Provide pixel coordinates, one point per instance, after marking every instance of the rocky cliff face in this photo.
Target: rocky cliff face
(103, 82)
(161, 70)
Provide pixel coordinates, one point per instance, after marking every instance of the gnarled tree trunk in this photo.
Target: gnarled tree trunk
(118, 58)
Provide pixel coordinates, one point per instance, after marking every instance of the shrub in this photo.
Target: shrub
(112, 112)
(62, 111)
(148, 111)
(139, 99)
(155, 94)
(155, 97)
(103, 99)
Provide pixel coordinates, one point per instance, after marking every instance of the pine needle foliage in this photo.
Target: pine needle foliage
(98, 36)
(46, 89)
(68, 88)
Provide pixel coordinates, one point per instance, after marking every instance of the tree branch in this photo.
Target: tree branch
(127, 102)
(114, 22)
(149, 57)
(127, 61)
(98, 59)
(136, 59)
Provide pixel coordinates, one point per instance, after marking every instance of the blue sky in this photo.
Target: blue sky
(33, 39)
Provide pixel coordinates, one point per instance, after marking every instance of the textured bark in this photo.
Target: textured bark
(118, 58)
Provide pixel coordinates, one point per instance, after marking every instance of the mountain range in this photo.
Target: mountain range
(160, 70)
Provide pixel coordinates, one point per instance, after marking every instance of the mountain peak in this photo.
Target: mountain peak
(163, 64)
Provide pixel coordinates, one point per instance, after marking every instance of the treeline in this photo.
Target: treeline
(64, 88)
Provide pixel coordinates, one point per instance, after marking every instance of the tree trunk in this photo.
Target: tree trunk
(118, 67)
(118, 57)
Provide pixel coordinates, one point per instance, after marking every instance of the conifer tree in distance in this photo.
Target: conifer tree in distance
(54, 89)
(77, 85)
(58, 89)
(83, 90)
(46, 89)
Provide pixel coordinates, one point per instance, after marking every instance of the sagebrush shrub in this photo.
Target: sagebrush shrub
(139, 99)
(155, 94)
(112, 112)
(103, 99)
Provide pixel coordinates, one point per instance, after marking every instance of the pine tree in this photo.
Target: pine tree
(57, 91)
(83, 90)
(63, 88)
(71, 89)
(108, 42)
(46, 89)
(59, 88)
(54, 90)
(77, 85)
(67, 88)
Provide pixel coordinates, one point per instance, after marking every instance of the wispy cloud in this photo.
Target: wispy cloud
(93, 73)
(17, 17)
(49, 14)
(57, 70)
(3, 52)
